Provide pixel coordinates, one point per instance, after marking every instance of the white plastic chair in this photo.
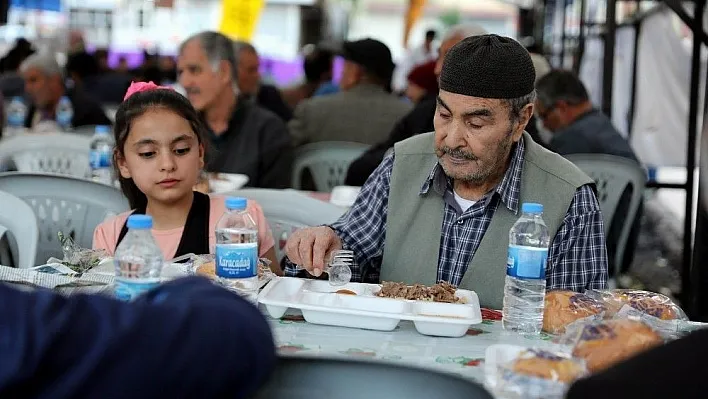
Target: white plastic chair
(289, 210)
(612, 174)
(19, 230)
(327, 161)
(61, 153)
(62, 203)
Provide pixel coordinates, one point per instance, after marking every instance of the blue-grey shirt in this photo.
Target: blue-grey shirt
(591, 133)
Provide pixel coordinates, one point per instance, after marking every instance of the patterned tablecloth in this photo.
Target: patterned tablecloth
(463, 356)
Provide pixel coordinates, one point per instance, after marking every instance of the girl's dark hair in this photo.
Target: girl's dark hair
(135, 106)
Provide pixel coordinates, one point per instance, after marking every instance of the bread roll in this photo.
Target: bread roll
(564, 307)
(606, 343)
(207, 269)
(651, 303)
(548, 366)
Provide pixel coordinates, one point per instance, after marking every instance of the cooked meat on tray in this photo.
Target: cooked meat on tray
(440, 292)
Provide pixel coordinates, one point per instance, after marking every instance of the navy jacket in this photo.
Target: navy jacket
(186, 339)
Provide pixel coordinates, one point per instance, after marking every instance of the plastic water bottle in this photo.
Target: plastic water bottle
(237, 249)
(65, 113)
(100, 155)
(525, 287)
(138, 259)
(16, 114)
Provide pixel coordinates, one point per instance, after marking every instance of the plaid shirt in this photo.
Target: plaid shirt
(577, 257)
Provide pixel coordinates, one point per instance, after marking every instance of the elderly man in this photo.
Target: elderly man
(418, 120)
(249, 81)
(364, 111)
(246, 138)
(440, 207)
(44, 84)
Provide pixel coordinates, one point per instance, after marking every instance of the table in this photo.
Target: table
(324, 197)
(462, 356)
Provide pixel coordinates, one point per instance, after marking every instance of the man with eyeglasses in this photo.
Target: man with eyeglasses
(564, 107)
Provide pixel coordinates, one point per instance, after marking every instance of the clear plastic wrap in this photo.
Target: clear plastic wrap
(565, 307)
(78, 259)
(538, 373)
(604, 343)
(650, 303)
(656, 310)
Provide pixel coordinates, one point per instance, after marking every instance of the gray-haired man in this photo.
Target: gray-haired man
(246, 138)
(44, 84)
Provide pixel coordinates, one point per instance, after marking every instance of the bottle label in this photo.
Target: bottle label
(526, 262)
(64, 118)
(237, 260)
(16, 119)
(130, 289)
(99, 159)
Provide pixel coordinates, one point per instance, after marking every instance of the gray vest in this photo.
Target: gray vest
(414, 222)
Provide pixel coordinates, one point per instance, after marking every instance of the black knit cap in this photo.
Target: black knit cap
(488, 66)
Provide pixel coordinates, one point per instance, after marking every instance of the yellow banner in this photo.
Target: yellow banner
(239, 18)
(413, 14)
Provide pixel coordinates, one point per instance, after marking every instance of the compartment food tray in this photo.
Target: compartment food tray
(320, 304)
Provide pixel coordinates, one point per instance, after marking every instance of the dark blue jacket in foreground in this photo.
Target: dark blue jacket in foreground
(186, 339)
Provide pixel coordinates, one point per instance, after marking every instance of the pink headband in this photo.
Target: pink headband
(137, 87)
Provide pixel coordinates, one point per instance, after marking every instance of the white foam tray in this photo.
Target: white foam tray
(321, 305)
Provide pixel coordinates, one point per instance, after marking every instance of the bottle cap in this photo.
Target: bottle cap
(139, 222)
(530, 207)
(235, 203)
(103, 129)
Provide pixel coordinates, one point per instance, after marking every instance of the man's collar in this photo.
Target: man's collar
(508, 189)
(235, 117)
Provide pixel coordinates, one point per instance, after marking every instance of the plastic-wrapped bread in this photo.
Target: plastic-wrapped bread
(565, 307)
(537, 373)
(649, 303)
(605, 343)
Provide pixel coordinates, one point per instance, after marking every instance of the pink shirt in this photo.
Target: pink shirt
(106, 234)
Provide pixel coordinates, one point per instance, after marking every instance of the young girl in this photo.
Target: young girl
(159, 155)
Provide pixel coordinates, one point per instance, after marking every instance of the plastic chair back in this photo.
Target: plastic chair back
(86, 130)
(61, 153)
(327, 161)
(62, 203)
(289, 210)
(612, 175)
(19, 225)
(355, 379)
